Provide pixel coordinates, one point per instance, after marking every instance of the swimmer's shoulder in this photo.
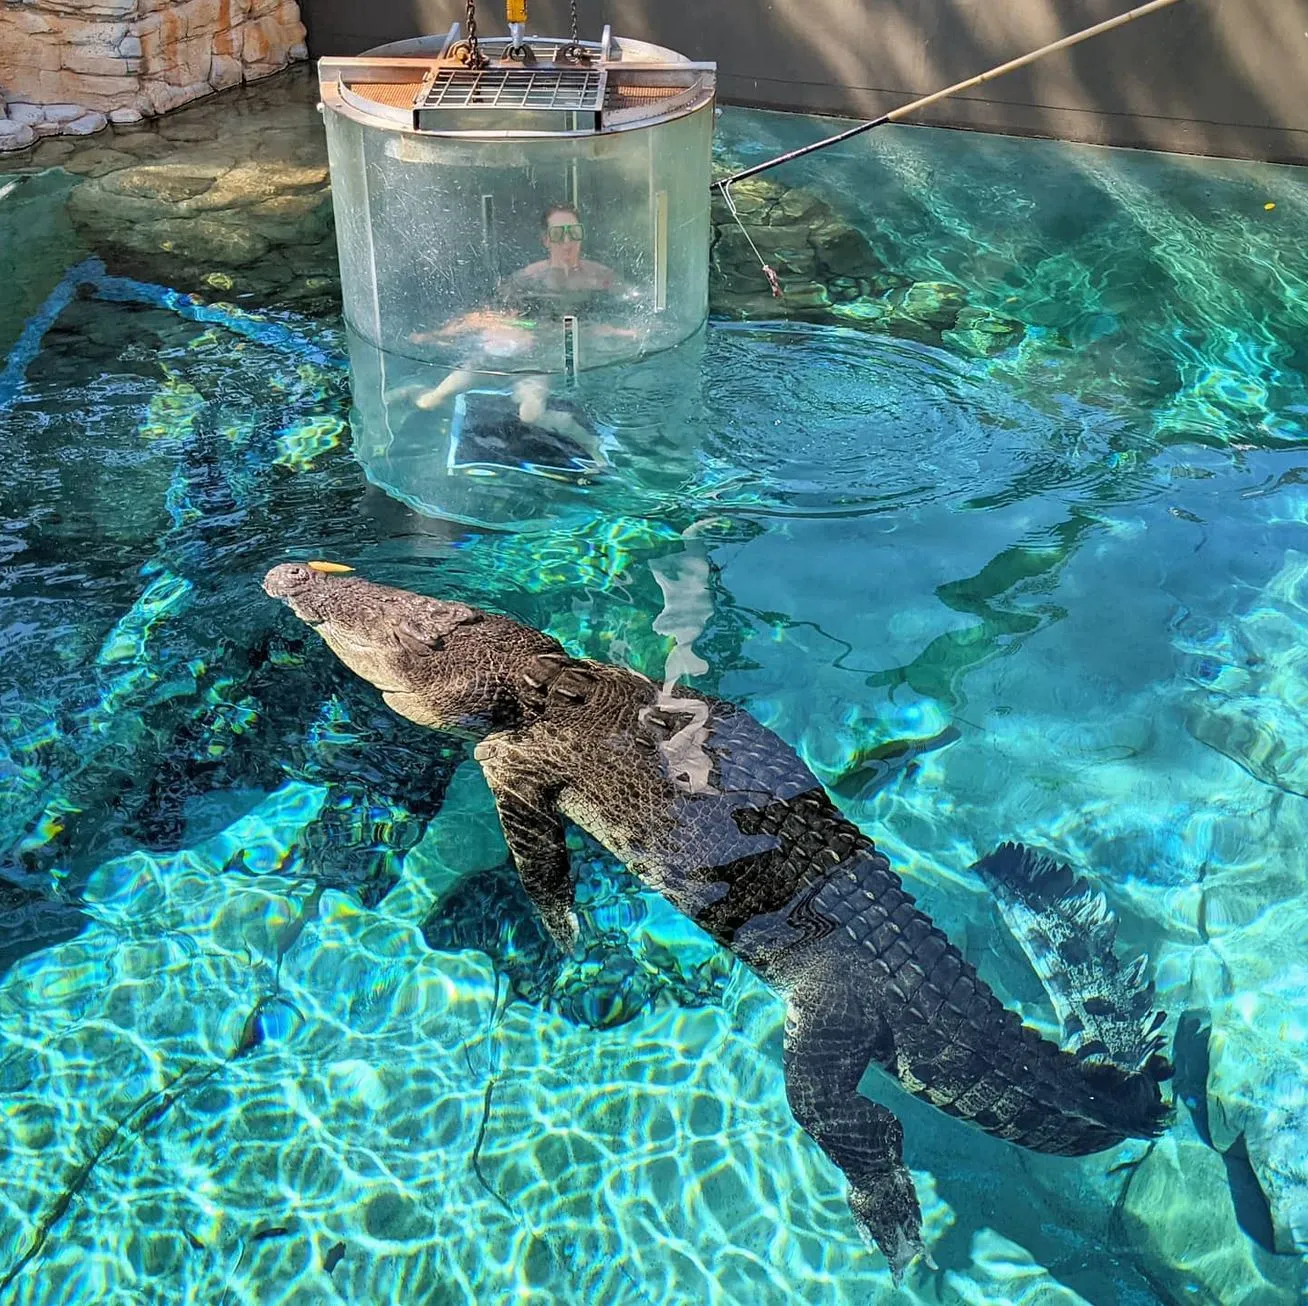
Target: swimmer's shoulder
(597, 276)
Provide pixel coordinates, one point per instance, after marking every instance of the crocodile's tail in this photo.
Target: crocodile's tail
(1106, 1007)
(1084, 1109)
(1127, 1103)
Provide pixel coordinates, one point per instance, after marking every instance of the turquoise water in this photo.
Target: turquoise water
(1008, 538)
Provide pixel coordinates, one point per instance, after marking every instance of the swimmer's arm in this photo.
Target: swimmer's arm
(479, 319)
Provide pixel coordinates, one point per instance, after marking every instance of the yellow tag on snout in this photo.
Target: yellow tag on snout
(331, 568)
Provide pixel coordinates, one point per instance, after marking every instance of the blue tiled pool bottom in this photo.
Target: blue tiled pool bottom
(1056, 592)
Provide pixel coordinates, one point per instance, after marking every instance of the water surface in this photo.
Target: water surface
(262, 1042)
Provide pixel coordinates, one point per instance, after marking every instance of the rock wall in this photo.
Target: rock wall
(71, 66)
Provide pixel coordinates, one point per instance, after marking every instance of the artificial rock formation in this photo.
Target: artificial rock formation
(828, 270)
(71, 66)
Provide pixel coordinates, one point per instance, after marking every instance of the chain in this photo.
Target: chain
(768, 271)
(574, 49)
(468, 50)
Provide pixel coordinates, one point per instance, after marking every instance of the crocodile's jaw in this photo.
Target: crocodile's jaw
(352, 622)
(440, 664)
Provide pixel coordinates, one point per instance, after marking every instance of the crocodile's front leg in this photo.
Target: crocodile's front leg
(832, 1036)
(533, 829)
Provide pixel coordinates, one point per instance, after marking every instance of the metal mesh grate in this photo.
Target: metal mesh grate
(625, 97)
(576, 90)
(398, 95)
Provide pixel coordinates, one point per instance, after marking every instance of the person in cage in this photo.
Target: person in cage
(563, 272)
(505, 337)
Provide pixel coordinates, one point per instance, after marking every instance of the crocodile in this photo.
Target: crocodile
(720, 816)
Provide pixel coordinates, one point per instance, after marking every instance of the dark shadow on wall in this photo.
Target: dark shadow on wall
(1203, 77)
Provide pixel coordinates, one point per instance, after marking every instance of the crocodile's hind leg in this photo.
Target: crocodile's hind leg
(832, 1036)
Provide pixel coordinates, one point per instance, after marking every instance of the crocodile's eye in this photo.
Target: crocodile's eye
(417, 641)
(542, 670)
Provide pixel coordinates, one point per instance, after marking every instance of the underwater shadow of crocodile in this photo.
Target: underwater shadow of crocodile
(381, 788)
(1191, 1057)
(611, 980)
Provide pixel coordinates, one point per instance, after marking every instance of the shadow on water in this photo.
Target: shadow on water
(31, 921)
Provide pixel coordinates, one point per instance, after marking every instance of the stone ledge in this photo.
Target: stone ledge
(118, 61)
(15, 135)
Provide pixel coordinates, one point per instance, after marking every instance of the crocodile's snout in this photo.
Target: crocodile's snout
(287, 579)
(302, 587)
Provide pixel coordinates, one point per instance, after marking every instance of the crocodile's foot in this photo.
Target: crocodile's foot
(564, 928)
(888, 1217)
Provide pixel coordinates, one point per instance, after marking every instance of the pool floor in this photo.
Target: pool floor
(1004, 531)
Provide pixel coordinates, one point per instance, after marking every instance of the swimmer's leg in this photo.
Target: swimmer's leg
(532, 394)
(457, 382)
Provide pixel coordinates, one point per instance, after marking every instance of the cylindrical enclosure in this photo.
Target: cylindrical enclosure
(467, 460)
(540, 216)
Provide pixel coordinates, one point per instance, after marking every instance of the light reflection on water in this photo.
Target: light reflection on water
(1056, 592)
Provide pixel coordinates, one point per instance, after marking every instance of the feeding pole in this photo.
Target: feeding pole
(904, 110)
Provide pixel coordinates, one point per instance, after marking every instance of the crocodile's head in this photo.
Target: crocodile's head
(444, 665)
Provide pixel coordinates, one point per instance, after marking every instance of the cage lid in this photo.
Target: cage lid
(418, 86)
(537, 90)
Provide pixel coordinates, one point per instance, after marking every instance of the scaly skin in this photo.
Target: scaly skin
(721, 817)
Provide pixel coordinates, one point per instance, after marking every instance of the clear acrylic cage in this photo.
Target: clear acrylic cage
(540, 216)
(524, 247)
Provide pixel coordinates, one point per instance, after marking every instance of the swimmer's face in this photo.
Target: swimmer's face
(562, 237)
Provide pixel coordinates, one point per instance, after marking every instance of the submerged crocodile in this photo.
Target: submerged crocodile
(719, 815)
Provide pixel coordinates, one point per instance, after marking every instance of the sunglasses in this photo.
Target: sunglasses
(565, 231)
